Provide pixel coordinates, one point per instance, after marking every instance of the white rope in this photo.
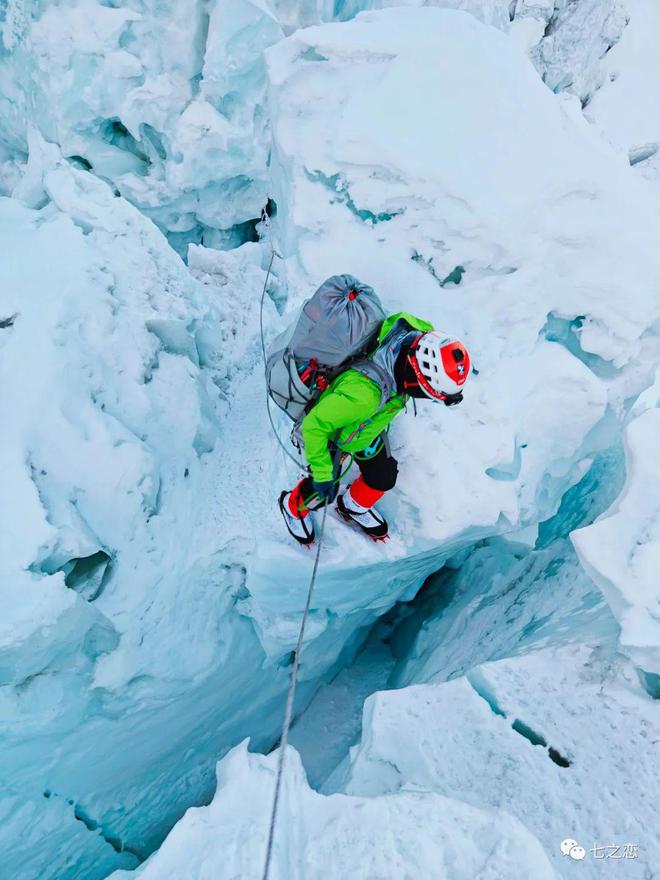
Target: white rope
(288, 713)
(265, 219)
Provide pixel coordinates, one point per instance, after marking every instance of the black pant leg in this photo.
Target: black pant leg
(380, 469)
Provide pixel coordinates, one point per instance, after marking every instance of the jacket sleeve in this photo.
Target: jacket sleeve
(350, 401)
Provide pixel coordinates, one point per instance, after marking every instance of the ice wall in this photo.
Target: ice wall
(161, 99)
(119, 548)
(622, 549)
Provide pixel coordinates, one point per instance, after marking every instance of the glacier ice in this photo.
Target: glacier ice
(118, 388)
(621, 550)
(160, 99)
(568, 41)
(511, 468)
(408, 834)
(167, 101)
(148, 624)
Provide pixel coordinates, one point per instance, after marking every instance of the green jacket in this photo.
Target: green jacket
(349, 411)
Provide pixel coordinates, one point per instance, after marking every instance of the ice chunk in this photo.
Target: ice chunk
(575, 38)
(412, 834)
(528, 201)
(421, 169)
(622, 549)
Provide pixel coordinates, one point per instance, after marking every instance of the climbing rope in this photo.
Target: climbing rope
(288, 712)
(265, 219)
(290, 700)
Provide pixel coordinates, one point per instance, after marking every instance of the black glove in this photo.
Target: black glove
(452, 399)
(326, 491)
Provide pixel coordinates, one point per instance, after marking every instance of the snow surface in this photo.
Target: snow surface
(150, 598)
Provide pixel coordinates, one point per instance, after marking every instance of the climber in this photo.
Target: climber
(348, 418)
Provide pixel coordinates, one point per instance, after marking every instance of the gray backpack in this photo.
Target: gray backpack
(335, 329)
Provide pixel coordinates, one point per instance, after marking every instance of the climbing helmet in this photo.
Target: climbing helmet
(441, 364)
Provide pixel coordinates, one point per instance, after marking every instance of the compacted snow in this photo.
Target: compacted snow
(150, 598)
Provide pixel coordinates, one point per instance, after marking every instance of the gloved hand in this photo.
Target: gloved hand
(452, 399)
(326, 491)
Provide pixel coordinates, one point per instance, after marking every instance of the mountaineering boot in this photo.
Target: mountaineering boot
(302, 529)
(367, 518)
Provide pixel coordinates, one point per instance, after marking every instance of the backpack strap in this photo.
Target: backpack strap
(377, 374)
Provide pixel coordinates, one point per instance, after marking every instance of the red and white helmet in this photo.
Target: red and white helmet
(441, 364)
